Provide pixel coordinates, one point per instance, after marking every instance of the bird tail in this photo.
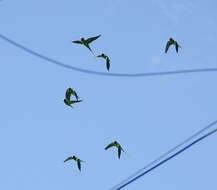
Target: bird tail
(93, 53)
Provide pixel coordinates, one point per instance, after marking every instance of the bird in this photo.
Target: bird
(70, 92)
(170, 42)
(115, 143)
(76, 159)
(107, 60)
(87, 42)
(67, 100)
(70, 102)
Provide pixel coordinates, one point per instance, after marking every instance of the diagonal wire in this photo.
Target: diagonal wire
(61, 64)
(185, 71)
(167, 159)
(165, 154)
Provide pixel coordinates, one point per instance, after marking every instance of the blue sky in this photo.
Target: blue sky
(147, 115)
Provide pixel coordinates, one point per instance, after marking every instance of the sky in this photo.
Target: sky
(147, 115)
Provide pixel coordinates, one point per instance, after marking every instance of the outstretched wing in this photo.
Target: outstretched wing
(119, 152)
(79, 165)
(77, 42)
(69, 158)
(89, 40)
(177, 47)
(75, 94)
(87, 45)
(75, 101)
(169, 43)
(107, 63)
(110, 145)
(68, 93)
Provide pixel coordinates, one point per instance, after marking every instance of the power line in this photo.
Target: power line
(130, 75)
(61, 64)
(165, 154)
(167, 159)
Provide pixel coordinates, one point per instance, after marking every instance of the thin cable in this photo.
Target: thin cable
(165, 154)
(103, 73)
(167, 159)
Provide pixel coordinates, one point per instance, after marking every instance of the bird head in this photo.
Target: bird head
(73, 156)
(170, 38)
(115, 142)
(102, 54)
(82, 39)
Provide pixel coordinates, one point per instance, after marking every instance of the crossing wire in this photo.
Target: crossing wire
(185, 71)
(165, 160)
(61, 64)
(166, 153)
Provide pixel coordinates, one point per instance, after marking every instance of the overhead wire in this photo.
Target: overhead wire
(184, 71)
(61, 64)
(166, 154)
(132, 178)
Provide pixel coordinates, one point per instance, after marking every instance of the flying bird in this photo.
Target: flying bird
(70, 102)
(86, 42)
(170, 42)
(70, 92)
(115, 143)
(76, 159)
(107, 60)
(67, 100)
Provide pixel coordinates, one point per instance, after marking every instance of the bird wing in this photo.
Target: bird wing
(75, 94)
(107, 63)
(68, 93)
(87, 45)
(177, 47)
(89, 40)
(122, 149)
(77, 42)
(119, 152)
(110, 145)
(169, 43)
(79, 165)
(69, 158)
(75, 101)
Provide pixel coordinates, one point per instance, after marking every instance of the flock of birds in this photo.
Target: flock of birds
(86, 43)
(70, 92)
(68, 101)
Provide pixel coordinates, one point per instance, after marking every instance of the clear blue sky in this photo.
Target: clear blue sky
(146, 115)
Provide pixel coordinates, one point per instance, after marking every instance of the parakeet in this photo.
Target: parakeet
(86, 42)
(172, 42)
(70, 92)
(115, 143)
(76, 159)
(68, 100)
(107, 60)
